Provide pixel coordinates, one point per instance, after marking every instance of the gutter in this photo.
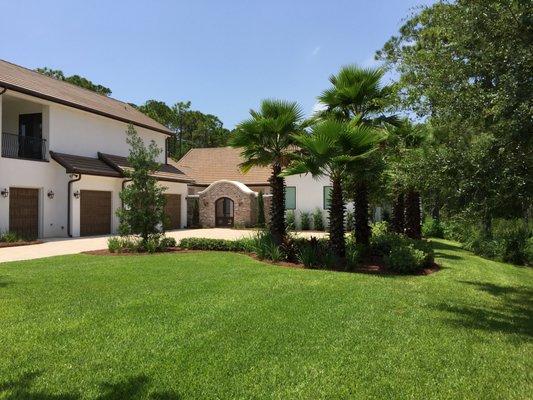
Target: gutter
(69, 211)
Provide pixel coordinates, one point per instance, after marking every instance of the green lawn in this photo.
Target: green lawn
(221, 325)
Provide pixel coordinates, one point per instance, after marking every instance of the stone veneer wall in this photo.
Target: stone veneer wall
(244, 203)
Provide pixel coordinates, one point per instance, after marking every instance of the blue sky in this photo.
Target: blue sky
(224, 56)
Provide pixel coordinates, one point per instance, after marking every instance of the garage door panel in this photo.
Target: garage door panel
(173, 211)
(95, 212)
(24, 212)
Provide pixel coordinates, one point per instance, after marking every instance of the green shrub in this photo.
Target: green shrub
(509, 241)
(266, 248)
(123, 244)
(350, 221)
(315, 253)
(379, 228)
(513, 238)
(10, 237)
(290, 220)
(398, 249)
(318, 220)
(168, 241)
(216, 244)
(405, 259)
(432, 228)
(354, 253)
(305, 221)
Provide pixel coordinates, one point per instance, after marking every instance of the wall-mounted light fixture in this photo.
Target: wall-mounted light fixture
(50, 194)
(77, 194)
(4, 193)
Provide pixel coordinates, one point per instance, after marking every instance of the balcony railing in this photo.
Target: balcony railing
(27, 147)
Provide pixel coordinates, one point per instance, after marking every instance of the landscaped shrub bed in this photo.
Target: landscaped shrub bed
(389, 251)
(9, 239)
(133, 244)
(511, 240)
(398, 252)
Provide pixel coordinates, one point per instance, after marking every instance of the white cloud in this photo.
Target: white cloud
(318, 107)
(316, 50)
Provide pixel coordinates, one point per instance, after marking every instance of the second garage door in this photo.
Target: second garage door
(95, 213)
(173, 211)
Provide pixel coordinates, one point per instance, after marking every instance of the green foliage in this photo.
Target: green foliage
(305, 220)
(191, 128)
(405, 259)
(260, 210)
(400, 253)
(143, 201)
(133, 244)
(510, 240)
(466, 66)
(241, 245)
(432, 228)
(266, 248)
(290, 220)
(195, 213)
(315, 253)
(318, 220)
(10, 237)
(75, 80)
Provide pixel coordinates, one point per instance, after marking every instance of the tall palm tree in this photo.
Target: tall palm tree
(357, 94)
(267, 139)
(331, 149)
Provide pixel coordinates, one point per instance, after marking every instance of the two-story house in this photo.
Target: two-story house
(63, 153)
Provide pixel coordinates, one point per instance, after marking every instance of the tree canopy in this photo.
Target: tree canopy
(75, 79)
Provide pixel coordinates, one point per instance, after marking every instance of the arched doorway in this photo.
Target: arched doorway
(224, 212)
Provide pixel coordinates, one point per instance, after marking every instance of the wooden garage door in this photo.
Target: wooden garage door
(24, 212)
(173, 211)
(95, 212)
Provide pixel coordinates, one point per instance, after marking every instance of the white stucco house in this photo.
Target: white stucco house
(63, 150)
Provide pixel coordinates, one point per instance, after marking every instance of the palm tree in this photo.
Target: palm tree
(357, 94)
(331, 149)
(267, 139)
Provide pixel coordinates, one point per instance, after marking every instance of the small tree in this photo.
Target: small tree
(143, 201)
(318, 220)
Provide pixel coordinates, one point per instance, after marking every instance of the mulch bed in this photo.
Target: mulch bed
(17, 244)
(374, 266)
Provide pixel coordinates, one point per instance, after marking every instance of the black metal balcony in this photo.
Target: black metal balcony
(25, 147)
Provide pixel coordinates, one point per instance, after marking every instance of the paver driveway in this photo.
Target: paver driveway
(62, 246)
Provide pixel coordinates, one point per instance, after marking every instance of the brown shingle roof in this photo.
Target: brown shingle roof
(84, 165)
(208, 165)
(26, 81)
(166, 173)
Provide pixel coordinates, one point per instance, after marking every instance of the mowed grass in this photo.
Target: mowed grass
(221, 325)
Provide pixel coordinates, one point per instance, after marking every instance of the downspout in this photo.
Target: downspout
(69, 211)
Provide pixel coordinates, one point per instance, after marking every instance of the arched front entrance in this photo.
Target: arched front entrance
(224, 212)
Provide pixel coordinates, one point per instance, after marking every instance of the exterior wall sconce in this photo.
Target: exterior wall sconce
(50, 194)
(4, 193)
(77, 194)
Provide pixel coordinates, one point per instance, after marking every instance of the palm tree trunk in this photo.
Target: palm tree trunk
(277, 208)
(398, 213)
(360, 204)
(413, 220)
(336, 221)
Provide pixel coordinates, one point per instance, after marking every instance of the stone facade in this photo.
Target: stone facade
(244, 203)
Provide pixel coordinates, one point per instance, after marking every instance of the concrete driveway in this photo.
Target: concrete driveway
(63, 246)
